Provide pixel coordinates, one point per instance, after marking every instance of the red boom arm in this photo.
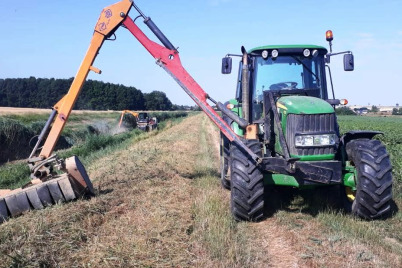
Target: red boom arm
(169, 60)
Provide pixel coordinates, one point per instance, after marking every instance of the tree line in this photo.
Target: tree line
(95, 95)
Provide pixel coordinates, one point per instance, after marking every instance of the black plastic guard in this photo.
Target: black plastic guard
(325, 172)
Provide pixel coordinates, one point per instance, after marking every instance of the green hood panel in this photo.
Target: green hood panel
(304, 105)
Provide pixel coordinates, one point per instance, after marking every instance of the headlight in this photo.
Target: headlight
(264, 54)
(315, 140)
(274, 53)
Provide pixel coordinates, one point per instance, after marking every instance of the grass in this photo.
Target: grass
(149, 210)
(75, 116)
(159, 203)
(69, 234)
(225, 240)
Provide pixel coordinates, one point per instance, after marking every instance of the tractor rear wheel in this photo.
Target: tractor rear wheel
(225, 161)
(373, 195)
(247, 184)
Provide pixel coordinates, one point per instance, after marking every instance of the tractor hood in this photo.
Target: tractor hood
(304, 105)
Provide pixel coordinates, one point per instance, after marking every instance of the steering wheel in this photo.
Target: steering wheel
(283, 85)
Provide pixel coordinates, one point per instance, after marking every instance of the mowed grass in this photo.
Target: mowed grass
(158, 204)
(228, 242)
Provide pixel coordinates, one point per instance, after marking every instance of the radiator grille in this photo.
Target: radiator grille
(309, 123)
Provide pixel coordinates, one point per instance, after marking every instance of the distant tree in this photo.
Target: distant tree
(374, 109)
(344, 111)
(196, 108)
(395, 111)
(176, 107)
(157, 100)
(44, 93)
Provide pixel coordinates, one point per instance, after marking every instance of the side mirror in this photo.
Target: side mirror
(226, 65)
(348, 62)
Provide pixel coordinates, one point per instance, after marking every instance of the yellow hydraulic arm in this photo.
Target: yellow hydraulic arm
(106, 25)
(127, 111)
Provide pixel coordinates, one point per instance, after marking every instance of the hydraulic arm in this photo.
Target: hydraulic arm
(127, 111)
(166, 56)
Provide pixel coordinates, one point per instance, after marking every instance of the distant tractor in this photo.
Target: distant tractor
(142, 120)
(146, 123)
(284, 115)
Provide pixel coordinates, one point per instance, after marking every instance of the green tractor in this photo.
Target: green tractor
(283, 113)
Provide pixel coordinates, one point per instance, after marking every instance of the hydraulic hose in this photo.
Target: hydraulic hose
(245, 87)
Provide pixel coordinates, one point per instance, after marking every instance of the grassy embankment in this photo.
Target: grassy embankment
(85, 133)
(158, 203)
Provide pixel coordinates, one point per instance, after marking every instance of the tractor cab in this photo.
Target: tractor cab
(289, 70)
(143, 117)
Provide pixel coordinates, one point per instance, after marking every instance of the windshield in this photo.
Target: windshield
(287, 73)
(142, 116)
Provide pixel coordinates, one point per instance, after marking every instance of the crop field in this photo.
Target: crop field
(159, 203)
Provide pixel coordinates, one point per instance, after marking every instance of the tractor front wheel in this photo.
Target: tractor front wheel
(247, 184)
(373, 177)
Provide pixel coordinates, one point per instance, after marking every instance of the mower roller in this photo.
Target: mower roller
(280, 129)
(38, 194)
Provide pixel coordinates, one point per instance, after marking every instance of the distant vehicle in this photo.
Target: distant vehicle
(144, 122)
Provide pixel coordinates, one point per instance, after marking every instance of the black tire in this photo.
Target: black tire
(247, 184)
(224, 161)
(373, 195)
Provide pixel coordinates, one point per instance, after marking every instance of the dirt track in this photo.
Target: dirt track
(160, 204)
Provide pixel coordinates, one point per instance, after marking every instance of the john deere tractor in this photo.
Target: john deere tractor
(285, 116)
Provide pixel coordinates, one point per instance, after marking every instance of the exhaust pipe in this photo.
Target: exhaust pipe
(245, 87)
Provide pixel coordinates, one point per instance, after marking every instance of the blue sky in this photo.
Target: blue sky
(44, 38)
